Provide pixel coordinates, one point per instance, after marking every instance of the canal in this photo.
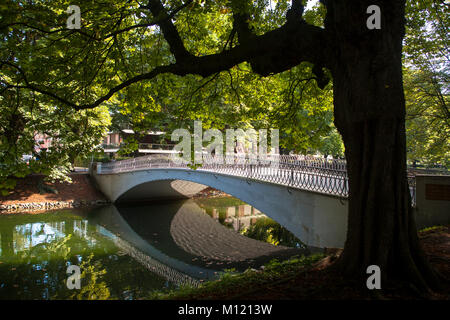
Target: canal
(126, 252)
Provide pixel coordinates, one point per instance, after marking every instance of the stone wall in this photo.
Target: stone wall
(44, 206)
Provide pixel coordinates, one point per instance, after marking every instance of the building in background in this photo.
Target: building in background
(152, 142)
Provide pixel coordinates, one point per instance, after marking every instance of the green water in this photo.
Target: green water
(36, 250)
(127, 252)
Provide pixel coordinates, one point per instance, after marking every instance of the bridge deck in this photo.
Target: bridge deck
(301, 172)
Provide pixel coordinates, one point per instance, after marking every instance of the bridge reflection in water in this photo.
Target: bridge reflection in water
(181, 243)
(177, 242)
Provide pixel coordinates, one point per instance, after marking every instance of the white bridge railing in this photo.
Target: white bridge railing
(303, 172)
(296, 171)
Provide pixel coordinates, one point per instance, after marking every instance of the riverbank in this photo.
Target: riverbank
(308, 278)
(32, 195)
(82, 192)
(211, 193)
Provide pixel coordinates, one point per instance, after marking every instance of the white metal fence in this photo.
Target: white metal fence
(297, 171)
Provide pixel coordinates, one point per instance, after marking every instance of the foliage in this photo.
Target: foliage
(25, 113)
(433, 228)
(427, 125)
(102, 55)
(73, 134)
(119, 41)
(426, 81)
(332, 145)
(268, 230)
(92, 288)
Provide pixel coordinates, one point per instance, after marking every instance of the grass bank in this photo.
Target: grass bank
(232, 285)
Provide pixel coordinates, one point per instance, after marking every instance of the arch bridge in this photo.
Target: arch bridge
(306, 195)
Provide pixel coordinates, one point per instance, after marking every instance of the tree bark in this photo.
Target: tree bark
(370, 115)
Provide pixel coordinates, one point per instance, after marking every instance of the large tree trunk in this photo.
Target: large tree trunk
(370, 115)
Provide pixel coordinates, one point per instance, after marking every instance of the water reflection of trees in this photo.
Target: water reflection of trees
(92, 286)
(266, 229)
(36, 250)
(40, 271)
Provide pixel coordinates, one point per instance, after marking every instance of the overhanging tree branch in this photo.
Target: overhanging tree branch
(169, 30)
(241, 19)
(273, 52)
(155, 22)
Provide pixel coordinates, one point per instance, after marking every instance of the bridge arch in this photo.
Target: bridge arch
(319, 220)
